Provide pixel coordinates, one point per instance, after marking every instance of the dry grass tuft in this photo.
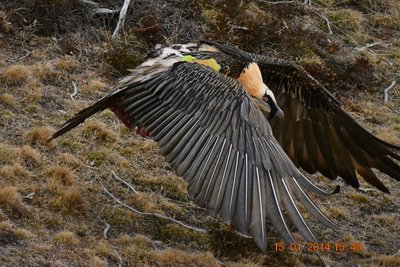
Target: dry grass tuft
(176, 233)
(66, 238)
(39, 135)
(16, 75)
(171, 186)
(4, 24)
(336, 212)
(358, 197)
(11, 201)
(14, 172)
(8, 154)
(389, 136)
(7, 99)
(182, 258)
(387, 20)
(67, 64)
(143, 201)
(23, 233)
(70, 202)
(100, 130)
(97, 262)
(94, 85)
(30, 155)
(385, 260)
(103, 248)
(138, 240)
(6, 226)
(61, 175)
(70, 160)
(46, 73)
(386, 219)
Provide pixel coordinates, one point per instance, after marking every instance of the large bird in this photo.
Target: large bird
(236, 126)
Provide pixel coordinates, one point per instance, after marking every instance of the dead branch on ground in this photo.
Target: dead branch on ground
(201, 230)
(121, 19)
(386, 92)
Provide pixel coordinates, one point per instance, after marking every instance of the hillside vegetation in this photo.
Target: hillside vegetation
(57, 57)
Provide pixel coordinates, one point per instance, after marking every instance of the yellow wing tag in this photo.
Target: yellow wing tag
(212, 63)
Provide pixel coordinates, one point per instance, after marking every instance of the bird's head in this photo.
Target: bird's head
(269, 98)
(252, 81)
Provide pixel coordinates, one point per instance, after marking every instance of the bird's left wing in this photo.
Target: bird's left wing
(317, 134)
(213, 135)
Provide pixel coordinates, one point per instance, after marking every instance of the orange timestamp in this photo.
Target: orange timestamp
(319, 247)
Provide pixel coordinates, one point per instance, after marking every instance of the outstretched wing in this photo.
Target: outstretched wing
(318, 135)
(214, 136)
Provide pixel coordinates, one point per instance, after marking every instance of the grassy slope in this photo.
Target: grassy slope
(52, 208)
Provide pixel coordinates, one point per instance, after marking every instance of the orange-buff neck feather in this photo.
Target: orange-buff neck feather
(252, 81)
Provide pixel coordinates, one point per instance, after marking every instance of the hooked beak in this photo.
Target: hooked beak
(275, 111)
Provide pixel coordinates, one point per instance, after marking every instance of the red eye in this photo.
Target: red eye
(266, 98)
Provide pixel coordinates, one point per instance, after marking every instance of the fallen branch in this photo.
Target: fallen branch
(367, 46)
(103, 10)
(201, 230)
(95, 9)
(75, 92)
(328, 23)
(386, 92)
(108, 227)
(29, 196)
(121, 19)
(120, 264)
(28, 53)
(89, 3)
(366, 190)
(124, 182)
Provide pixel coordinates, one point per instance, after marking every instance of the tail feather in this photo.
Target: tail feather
(80, 117)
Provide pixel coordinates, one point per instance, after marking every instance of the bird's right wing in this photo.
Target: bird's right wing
(213, 135)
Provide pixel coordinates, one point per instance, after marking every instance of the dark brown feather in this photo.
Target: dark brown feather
(317, 134)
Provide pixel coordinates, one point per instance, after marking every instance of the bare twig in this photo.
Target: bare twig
(201, 230)
(103, 10)
(95, 9)
(29, 196)
(284, 23)
(75, 92)
(366, 190)
(28, 53)
(121, 20)
(367, 46)
(108, 227)
(237, 27)
(124, 182)
(328, 23)
(386, 92)
(89, 3)
(120, 264)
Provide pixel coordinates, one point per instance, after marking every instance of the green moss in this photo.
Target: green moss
(209, 15)
(171, 186)
(347, 20)
(175, 233)
(98, 157)
(72, 143)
